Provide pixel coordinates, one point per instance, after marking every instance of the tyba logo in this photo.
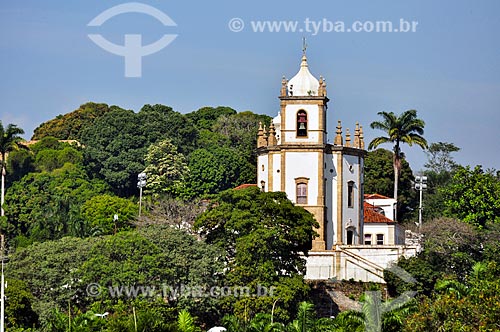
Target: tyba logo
(132, 50)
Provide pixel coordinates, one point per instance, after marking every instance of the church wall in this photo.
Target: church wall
(351, 215)
(331, 198)
(262, 175)
(302, 164)
(276, 175)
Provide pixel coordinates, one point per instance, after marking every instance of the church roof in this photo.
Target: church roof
(303, 83)
(246, 185)
(372, 214)
(376, 196)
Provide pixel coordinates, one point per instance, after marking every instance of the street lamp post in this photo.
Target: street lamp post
(420, 185)
(2, 291)
(141, 183)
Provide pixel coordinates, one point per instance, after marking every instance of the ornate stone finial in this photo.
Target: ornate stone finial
(347, 138)
(271, 141)
(361, 138)
(320, 88)
(338, 136)
(283, 86)
(356, 136)
(261, 138)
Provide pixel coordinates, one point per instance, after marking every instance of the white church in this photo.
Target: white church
(357, 236)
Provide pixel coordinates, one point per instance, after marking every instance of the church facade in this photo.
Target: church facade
(294, 156)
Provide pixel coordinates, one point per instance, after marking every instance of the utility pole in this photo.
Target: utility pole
(2, 199)
(420, 185)
(141, 183)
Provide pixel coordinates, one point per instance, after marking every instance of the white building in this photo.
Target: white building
(327, 180)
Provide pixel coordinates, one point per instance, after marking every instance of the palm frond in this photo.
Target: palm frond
(185, 322)
(377, 141)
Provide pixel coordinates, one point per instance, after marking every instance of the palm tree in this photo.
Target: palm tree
(9, 141)
(404, 128)
(305, 318)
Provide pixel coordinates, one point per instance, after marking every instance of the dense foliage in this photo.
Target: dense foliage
(262, 235)
(70, 126)
(203, 254)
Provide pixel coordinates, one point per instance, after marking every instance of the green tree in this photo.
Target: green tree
(440, 159)
(115, 146)
(263, 236)
(156, 260)
(99, 213)
(450, 247)
(116, 143)
(206, 117)
(9, 141)
(19, 163)
(166, 169)
(241, 131)
(404, 128)
(50, 271)
(159, 122)
(439, 171)
(45, 206)
(18, 309)
(70, 126)
(379, 178)
(471, 305)
(228, 169)
(473, 196)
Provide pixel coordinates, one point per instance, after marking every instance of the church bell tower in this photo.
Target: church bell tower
(293, 156)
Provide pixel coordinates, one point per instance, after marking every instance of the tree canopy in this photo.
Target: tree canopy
(69, 126)
(263, 235)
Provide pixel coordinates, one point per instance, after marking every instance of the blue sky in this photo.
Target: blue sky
(448, 70)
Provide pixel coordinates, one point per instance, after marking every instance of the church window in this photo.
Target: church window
(263, 185)
(301, 193)
(301, 123)
(368, 239)
(350, 194)
(301, 184)
(380, 239)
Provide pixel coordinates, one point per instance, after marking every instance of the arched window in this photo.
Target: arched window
(301, 123)
(263, 185)
(350, 194)
(350, 237)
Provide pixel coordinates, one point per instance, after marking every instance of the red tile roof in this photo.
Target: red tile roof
(243, 186)
(372, 214)
(376, 196)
